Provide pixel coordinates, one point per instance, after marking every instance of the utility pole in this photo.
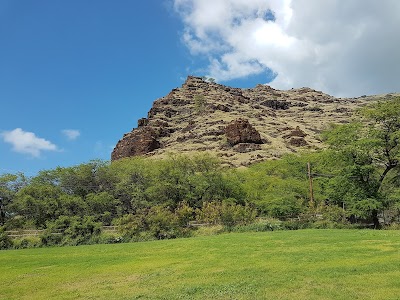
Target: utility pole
(311, 184)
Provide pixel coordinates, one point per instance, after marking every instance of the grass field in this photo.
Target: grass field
(304, 264)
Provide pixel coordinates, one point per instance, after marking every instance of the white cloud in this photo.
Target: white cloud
(71, 134)
(345, 48)
(27, 142)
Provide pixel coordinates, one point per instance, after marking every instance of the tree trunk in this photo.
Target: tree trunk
(2, 215)
(375, 219)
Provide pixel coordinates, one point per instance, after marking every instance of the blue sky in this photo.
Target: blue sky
(76, 75)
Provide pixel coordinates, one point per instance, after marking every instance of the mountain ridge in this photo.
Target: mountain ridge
(241, 126)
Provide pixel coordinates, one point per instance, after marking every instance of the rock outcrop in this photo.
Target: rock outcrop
(138, 142)
(241, 126)
(241, 131)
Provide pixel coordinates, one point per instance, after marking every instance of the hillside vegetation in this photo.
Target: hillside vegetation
(355, 183)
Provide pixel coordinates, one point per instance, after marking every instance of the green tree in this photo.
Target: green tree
(10, 184)
(71, 231)
(71, 205)
(84, 179)
(102, 206)
(38, 203)
(280, 188)
(193, 180)
(80, 180)
(368, 152)
(132, 176)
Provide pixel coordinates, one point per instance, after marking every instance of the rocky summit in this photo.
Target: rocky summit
(241, 126)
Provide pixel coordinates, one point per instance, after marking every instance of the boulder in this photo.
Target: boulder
(241, 131)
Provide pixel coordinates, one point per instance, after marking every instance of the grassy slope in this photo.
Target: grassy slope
(307, 264)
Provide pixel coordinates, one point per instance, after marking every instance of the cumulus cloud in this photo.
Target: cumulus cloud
(27, 142)
(345, 48)
(71, 134)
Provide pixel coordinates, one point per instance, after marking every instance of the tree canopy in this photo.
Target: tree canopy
(368, 152)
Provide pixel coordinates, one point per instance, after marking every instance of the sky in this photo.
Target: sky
(76, 75)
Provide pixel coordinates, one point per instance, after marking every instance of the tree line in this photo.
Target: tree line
(158, 199)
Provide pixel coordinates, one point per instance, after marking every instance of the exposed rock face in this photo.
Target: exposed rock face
(296, 133)
(246, 147)
(142, 122)
(298, 142)
(137, 142)
(240, 131)
(285, 120)
(276, 104)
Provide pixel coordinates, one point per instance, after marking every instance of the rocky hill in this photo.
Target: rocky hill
(241, 126)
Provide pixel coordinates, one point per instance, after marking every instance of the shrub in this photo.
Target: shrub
(107, 238)
(18, 222)
(82, 232)
(227, 214)
(5, 240)
(143, 236)
(71, 231)
(184, 213)
(295, 224)
(163, 224)
(333, 213)
(209, 213)
(27, 242)
(130, 225)
(284, 207)
(323, 224)
(393, 226)
(50, 239)
(261, 224)
(55, 231)
(157, 222)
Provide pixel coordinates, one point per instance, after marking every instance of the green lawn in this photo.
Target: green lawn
(304, 264)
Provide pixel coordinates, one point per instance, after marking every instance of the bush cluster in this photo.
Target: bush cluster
(161, 199)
